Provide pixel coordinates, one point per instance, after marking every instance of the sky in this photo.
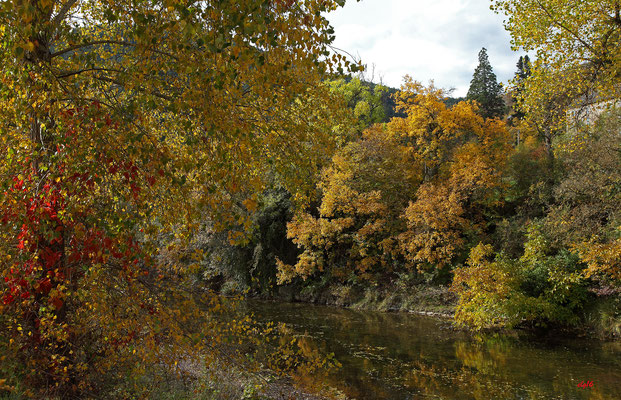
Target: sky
(435, 40)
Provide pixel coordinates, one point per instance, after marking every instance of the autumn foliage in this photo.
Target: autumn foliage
(521, 224)
(405, 196)
(124, 125)
(130, 128)
(521, 219)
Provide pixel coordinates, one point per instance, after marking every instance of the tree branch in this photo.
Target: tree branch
(67, 74)
(562, 26)
(63, 12)
(152, 92)
(107, 41)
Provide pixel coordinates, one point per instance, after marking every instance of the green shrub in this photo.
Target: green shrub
(539, 288)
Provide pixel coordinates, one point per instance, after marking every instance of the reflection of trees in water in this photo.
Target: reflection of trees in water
(488, 358)
(444, 383)
(388, 356)
(472, 375)
(502, 368)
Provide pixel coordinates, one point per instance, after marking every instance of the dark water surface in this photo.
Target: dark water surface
(406, 356)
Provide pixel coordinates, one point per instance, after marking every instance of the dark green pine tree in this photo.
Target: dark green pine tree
(485, 89)
(523, 68)
(522, 73)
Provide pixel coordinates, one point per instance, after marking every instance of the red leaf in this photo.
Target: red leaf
(8, 299)
(45, 285)
(56, 302)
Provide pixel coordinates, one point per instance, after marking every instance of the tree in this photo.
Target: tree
(523, 68)
(411, 194)
(427, 129)
(579, 38)
(249, 264)
(449, 213)
(586, 215)
(522, 73)
(485, 90)
(577, 56)
(365, 98)
(123, 123)
(364, 191)
(462, 155)
(537, 288)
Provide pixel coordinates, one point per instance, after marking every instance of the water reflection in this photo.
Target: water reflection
(402, 356)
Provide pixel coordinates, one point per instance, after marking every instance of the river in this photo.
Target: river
(407, 356)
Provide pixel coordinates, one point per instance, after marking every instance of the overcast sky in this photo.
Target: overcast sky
(427, 39)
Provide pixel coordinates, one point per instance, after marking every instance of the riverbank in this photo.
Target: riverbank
(601, 320)
(228, 382)
(427, 300)
(437, 301)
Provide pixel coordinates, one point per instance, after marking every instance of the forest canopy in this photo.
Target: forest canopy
(160, 155)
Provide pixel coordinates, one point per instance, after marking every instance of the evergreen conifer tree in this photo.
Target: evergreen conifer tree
(522, 73)
(485, 89)
(523, 66)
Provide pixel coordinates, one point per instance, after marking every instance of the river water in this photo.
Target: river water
(407, 356)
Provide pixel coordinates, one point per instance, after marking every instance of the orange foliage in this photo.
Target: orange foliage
(364, 191)
(464, 156)
(446, 163)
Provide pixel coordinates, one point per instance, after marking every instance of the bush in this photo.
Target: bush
(537, 289)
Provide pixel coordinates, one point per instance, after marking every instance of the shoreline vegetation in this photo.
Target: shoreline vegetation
(597, 323)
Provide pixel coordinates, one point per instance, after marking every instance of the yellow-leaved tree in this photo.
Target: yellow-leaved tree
(122, 123)
(364, 192)
(578, 68)
(463, 156)
(577, 56)
(413, 193)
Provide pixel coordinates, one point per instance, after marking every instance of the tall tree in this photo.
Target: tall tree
(523, 68)
(462, 156)
(485, 89)
(577, 47)
(580, 38)
(122, 123)
(519, 80)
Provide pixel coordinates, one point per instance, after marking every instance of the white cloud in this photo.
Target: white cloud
(427, 39)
